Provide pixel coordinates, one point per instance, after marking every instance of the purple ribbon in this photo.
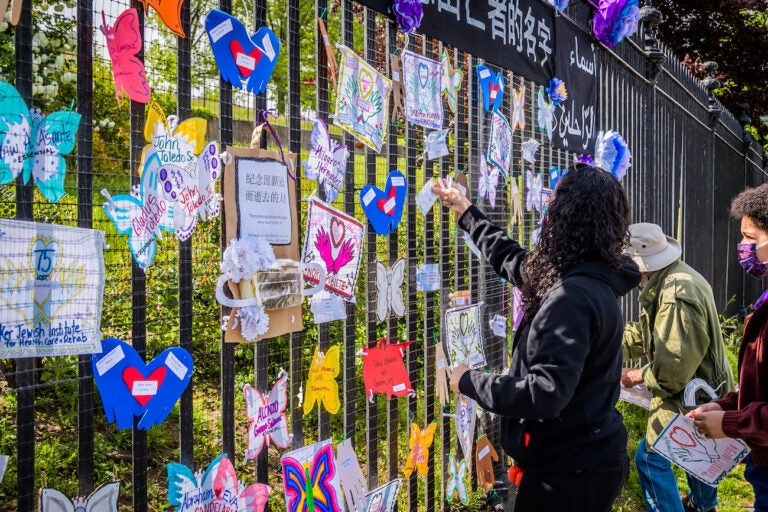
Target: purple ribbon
(263, 116)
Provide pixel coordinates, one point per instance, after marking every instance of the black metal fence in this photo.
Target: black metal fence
(689, 159)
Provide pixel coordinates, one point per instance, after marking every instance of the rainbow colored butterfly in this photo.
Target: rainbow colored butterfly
(311, 480)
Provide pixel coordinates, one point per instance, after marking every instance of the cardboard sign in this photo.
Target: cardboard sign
(260, 199)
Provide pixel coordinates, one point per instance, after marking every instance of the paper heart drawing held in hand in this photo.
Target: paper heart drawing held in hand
(32, 144)
(384, 371)
(266, 416)
(103, 499)
(129, 388)
(123, 43)
(216, 489)
(384, 209)
(321, 383)
(311, 479)
(327, 161)
(419, 444)
(246, 62)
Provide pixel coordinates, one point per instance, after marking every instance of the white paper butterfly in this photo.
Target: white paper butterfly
(267, 416)
(192, 189)
(534, 185)
(546, 115)
(103, 499)
(390, 295)
(518, 109)
(488, 181)
(456, 483)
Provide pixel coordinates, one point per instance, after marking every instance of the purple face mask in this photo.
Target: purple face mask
(749, 262)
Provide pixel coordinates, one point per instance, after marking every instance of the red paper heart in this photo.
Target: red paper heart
(237, 49)
(337, 231)
(381, 203)
(132, 375)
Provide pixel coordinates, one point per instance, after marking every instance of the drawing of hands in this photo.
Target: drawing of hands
(351, 476)
(485, 456)
(697, 454)
(441, 383)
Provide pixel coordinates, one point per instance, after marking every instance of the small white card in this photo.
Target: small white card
(499, 325)
(327, 308)
(427, 277)
(435, 144)
(426, 198)
(638, 395)
(3, 465)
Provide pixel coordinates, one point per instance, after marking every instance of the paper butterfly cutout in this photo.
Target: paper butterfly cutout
(518, 108)
(464, 419)
(143, 214)
(389, 294)
(384, 370)
(175, 142)
(103, 499)
(500, 143)
(321, 383)
(246, 62)
(33, 144)
(555, 175)
(129, 388)
(123, 43)
(546, 114)
(190, 491)
(192, 190)
(534, 184)
(266, 416)
(383, 498)
(450, 81)
(464, 343)
(492, 87)
(169, 12)
(419, 444)
(529, 148)
(487, 182)
(456, 486)
(385, 209)
(327, 161)
(423, 100)
(311, 479)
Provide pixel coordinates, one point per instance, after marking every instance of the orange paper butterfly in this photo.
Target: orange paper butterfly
(169, 12)
(419, 444)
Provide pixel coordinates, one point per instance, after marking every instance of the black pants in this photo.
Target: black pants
(592, 490)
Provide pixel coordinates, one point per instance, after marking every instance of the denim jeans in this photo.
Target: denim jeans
(592, 490)
(659, 486)
(758, 477)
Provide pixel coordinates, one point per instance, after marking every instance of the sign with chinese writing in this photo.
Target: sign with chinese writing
(515, 34)
(51, 288)
(576, 63)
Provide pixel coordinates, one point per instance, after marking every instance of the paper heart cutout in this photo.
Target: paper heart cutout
(384, 209)
(44, 256)
(337, 231)
(119, 372)
(246, 62)
(143, 388)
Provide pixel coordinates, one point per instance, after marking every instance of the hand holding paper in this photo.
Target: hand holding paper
(456, 375)
(486, 456)
(451, 196)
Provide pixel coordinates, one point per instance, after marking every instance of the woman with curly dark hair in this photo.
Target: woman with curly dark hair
(557, 402)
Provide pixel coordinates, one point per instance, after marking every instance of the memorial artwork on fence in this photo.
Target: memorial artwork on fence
(174, 141)
(518, 109)
(33, 145)
(455, 486)
(384, 208)
(451, 80)
(500, 144)
(485, 457)
(362, 100)
(464, 342)
(383, 498)
(169, 12)
(384, 370)
(436, 144)
(528, 149)
(419, 443)
(709, 460)
(327, 162)
(245, 61)
(124, 41)
(267, 422)
(128, 387)
(51, 289)
(103, 499)
(545, 115)
(321, 384)
(352, 480)
(466, 414)
(311, 479)
(533, 184)
(492, 87)
(488, 181)
(144, 213)
(423, 84)
(389, 294)
(333, 239)
(215, 489)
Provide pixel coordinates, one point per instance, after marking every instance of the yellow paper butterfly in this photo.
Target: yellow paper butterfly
(175, 142)
(450, 81)
(321, 384)
(419, 444)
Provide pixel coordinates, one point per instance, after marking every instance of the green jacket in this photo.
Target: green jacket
(679, 335)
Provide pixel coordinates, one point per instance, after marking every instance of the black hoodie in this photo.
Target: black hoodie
(558, 401)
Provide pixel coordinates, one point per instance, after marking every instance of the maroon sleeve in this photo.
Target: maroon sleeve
(749, 423)
(729, 402)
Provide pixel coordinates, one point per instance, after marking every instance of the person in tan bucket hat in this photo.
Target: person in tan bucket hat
(679, 335)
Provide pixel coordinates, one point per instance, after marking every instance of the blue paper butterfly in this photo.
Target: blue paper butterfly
(33, 143)
(492, 87)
